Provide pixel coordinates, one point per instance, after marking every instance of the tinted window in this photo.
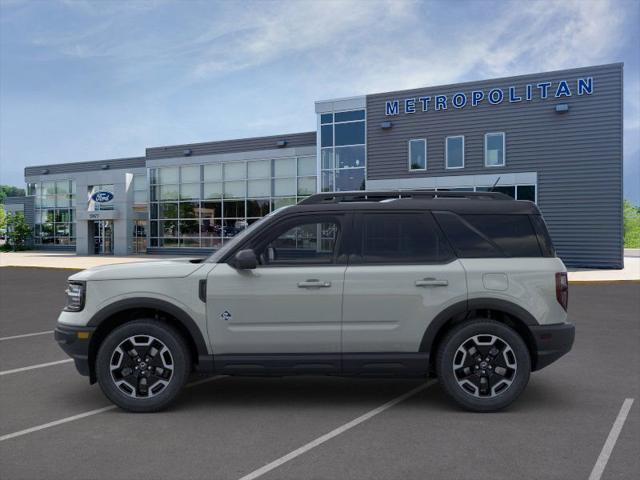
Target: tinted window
(402, 238)
(349, 133)
(349, 116)
(543, 236)
(467, 242)
(476, 236)
(302, 244)
(513, 234)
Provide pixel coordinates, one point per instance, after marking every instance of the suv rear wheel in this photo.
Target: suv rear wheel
(483, 365)
(142, 365)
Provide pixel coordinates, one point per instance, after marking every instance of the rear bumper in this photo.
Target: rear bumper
(552, 342)
(75, 345)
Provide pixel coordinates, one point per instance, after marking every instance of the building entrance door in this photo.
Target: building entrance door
(103, 237)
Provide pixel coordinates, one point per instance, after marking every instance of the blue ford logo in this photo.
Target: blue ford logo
(102, 197)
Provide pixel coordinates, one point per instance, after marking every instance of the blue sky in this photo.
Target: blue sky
(88, 80)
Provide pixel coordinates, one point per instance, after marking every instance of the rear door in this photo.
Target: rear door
(402, 275)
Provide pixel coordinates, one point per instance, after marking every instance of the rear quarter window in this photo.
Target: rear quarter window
(483, 236)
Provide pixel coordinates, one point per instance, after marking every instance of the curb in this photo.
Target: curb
(604, 282)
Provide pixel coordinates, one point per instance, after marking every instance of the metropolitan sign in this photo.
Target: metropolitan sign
(493, 96)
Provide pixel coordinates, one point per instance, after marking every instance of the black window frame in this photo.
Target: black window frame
(357, 240)
(264, 237)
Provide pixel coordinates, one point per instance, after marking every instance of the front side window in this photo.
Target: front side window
(304, 243)
(494, 146)
(402, 238)
(455, 152)
(418, 154)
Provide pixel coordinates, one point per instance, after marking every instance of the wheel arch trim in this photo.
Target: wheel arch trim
(153, 304)
(461, 309)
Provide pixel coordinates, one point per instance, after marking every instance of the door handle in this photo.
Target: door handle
(431, 282)
(313, 283)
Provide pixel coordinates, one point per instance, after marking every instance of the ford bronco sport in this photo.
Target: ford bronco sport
(462, 286)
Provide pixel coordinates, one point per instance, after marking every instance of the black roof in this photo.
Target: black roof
(458, 202)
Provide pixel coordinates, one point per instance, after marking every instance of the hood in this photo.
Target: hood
(175, 268)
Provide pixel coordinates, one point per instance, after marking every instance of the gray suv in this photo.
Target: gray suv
(462, 286)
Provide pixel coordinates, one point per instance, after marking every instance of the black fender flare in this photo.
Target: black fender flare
(154, 304)
(462, 308)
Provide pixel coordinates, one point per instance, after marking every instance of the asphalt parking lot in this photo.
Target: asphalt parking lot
(303, 427)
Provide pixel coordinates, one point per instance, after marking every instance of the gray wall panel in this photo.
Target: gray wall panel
(113, 164)
(577, 155)
(231, 146)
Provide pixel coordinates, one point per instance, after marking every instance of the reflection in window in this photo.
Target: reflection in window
(343, 151)
(455, 152)
(308, 243)
(494, 150)
(202, 205)
(417, 154)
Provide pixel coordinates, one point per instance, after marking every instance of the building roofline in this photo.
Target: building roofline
(469, 82)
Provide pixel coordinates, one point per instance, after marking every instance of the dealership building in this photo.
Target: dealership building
(553, 138)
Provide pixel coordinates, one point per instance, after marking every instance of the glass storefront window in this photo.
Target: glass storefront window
(306, 166)
(189, 191)
(284, 167)
(213, 172)
(343, 148)
(259, 188)
(235, 170)
(169, 192)
(54, 214)
(284, 186)
(195, 212)
(259, 169)
(190, 174)
(235, 189)
(213, 190)
(168, 175)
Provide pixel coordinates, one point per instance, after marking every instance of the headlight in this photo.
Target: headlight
(75, 297)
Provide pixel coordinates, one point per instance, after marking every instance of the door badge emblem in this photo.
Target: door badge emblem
(225, 316)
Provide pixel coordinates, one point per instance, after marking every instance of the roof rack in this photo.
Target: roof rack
(378, 196)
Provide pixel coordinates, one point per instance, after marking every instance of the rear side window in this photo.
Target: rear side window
(402, 238)
(546, 245)
(481, 236)
(467, 241)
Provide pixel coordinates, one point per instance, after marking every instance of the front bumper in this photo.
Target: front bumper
(552, 342)
(75, 343)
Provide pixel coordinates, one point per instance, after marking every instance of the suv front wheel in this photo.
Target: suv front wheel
(142, 365)
(483, 365)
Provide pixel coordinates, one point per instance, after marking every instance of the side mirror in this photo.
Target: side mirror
(245, 260)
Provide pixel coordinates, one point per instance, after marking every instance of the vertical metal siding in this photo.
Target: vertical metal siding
(577, 155)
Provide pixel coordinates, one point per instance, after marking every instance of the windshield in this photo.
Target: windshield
(231, 244)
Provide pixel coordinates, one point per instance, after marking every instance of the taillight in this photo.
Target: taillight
(562, 289)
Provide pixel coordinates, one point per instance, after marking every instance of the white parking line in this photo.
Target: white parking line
(32, 367)
(85, 414)
(601, 463)
(24, 335)
(334, 433)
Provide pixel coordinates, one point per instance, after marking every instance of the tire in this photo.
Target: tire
(143, 345)
(461, 369)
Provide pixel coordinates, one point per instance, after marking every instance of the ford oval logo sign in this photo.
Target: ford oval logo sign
(102, 197)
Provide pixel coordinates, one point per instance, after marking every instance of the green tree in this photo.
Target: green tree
(631, 225)
(18, 231)
(10, 191)
(3, 218)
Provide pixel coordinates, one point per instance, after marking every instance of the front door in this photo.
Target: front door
(103, 237)
(402, 275)
(287, 311)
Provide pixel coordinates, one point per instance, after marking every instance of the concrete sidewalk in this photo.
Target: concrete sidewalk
(49, 259)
